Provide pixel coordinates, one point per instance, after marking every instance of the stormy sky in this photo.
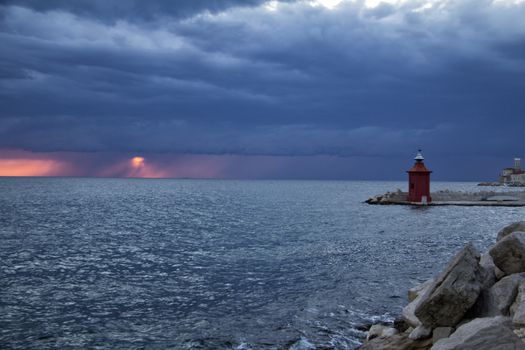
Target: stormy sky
(262, 89)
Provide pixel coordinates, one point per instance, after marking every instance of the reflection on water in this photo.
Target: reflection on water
(114, 263)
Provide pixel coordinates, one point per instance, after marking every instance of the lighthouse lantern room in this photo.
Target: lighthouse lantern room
(419, 181)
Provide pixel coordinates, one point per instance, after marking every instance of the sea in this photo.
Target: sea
(91, 263)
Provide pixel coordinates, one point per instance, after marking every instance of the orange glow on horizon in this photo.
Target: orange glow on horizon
(30, 167)
(144, 170)
(25, 163)
(137, 162)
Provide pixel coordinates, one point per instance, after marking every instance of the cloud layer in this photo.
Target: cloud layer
(296, 78)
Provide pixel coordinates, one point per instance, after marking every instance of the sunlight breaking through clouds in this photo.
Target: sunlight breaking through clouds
(330, 4)
(418, 4)
(266, 78)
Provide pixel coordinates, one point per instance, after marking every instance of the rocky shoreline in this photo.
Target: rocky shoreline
(476, 302)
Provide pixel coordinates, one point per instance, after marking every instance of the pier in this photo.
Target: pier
(440, 198)
(419, 192)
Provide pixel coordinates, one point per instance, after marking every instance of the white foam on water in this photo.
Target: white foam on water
(302, 344)
(243, 346)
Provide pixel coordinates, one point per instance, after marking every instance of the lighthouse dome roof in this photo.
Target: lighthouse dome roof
(419, 156)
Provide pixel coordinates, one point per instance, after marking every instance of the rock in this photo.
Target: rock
(504, 293)
(488, 264)
(479, 309)
(440, 333)
(379, 330)
(518, 308)
(390, 331)
(375, 331)
(396, 342)
(373, 200)
(465, 320)
(507, 230)
(497, 300)
(486, 261)
(520, 332)
(499, 274)
(400, 324)
(454, 291)
(509, 253)
(482, 334)
(408, 313)
(421, 332)
(379, 199)
(489, 270)
(417, 290)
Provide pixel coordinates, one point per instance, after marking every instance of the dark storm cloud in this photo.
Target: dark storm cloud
(131, 9)
(265, 78)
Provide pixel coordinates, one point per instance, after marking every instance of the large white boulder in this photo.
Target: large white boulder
(379, 330)
(454, 291)
(482, 334)
(421, 332)
(416, 294)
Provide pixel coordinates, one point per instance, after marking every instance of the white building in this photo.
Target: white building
(513, 176)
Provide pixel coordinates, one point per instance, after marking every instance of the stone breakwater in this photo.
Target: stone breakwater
(476, 302)
(446, 197)
(497, 184)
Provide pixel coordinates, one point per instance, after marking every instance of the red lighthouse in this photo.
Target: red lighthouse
(419, 181)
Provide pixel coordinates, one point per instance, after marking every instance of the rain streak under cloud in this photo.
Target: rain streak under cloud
(261, 89)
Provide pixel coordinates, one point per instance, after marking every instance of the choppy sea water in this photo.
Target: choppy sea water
(184, 264)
